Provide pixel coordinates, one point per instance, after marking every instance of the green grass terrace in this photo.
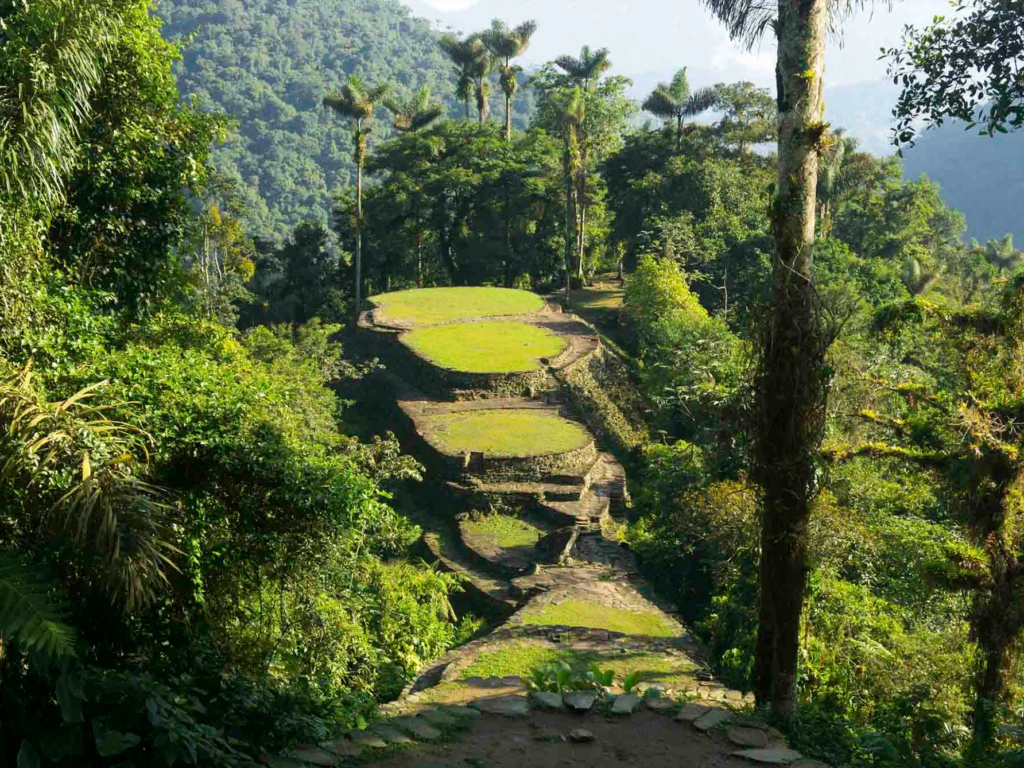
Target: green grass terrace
(487, 346)
(505, 432)
(430, 306)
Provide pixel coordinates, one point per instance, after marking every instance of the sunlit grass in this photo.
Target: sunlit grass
(576, 613)
(485, 347)
(425, 306)
(505, 433)
(507, 531)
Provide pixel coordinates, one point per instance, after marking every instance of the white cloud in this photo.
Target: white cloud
(451, 5)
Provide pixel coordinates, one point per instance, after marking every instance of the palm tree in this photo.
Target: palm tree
(674, 101)
(586, 70)
(585, 73)
(572, 109)
(358, 101)
(792, 381)
(505, 44)
(416, 112)
(472, 65)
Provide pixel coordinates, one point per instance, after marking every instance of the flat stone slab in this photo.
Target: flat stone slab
(416, 726)
(713, 718)
(580, 736)
(367, 739)
(579, 701)
(340, 747)
(625, 704)
(691, 712)
(780, 756)
(440, 719)
(314, 756)
(391, 735)
(548, 700)
(661, 704)
(464, 713)
(743, 736)
(508, 706)
(549, 735)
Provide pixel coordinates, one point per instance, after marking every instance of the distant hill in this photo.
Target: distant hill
(980, 176)
(268, 63)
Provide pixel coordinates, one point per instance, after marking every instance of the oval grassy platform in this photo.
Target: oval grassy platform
(485, 347)
(429, 306)
(504, 432)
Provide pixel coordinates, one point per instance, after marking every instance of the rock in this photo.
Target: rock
(313, 755)
(391, 735)
(734, 696)
(509, 706)
(747, 737)
(713, 718)
(579, 701)
(416, 726)
(808, 764)
(704, 675)
(340, 747)
(367, 739)
(580, 736)
(440, 719)
(557, 545)
(780, 756)
(464, 713)
(625, 704)
(691, 712)
(549, 735)
(662, 705)
(547, 700)
(512, 681)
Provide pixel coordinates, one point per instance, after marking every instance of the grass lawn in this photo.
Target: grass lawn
(522, 660)
(426, 306)
(575, 613)
(485, 347)
(505, 433)
(507, 531)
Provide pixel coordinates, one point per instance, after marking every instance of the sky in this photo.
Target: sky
(657, 36)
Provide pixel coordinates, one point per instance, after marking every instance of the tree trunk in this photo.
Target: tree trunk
(570, 228)
(359, 232)
(508, 117)
(581, 247)
(792, 389)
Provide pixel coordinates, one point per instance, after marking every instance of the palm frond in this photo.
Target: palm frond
(30, 615)
(700, 101)
(107, 508)
(746, 20)
(661, 103)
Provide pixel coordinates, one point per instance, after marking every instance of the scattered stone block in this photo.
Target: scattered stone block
(549, 735)
(625, 704)
(712, 719)
(662, 705)
(391, 735)
(341, 747)
(367, 739)
(439, 719)
(507, 706)
(780, 756)
(580, 736)
(511, 680)
(417, 727)
(743, 736)
(313, 756)
(579, 701)
(691, 712)
(548, 700)
(464, 713)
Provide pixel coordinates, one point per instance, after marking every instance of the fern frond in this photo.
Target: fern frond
(29, 615)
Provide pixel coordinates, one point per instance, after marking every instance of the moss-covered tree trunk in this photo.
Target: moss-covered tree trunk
(360, 159)
(791, 388)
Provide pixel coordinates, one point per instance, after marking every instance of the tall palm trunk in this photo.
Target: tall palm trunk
(508, 116)
(791, 387)
(570, 224)
(359, 218)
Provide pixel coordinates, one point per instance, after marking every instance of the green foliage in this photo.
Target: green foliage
(560, 677)
(658, 292)
(30, 618)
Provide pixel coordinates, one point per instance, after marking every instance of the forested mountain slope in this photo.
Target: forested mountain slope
(982, 177)
(268, 64)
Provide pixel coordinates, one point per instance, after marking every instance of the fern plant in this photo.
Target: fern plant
(30, 615)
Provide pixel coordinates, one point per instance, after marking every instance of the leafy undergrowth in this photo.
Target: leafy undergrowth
(576, 613)
(426, 306)
(507, 531)
(505, 432)
(491, 346)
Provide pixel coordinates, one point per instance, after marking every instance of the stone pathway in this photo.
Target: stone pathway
(455, 714)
